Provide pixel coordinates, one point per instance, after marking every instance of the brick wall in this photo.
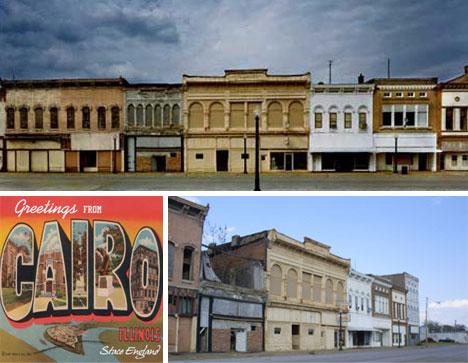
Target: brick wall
(255, 340)
(221, 340)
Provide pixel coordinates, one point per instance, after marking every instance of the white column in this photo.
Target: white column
(434, 162)
(372, 162)
(456, 119)
(310, 162)
(444, 119)
(393, 115)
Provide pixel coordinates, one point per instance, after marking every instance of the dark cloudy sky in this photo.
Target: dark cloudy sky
(148, 40)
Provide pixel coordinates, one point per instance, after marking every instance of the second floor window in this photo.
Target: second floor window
(115, 117)
(187, 264)
(348, 120)
(85, 121)
(70, 118)
(333, 119)
(24, 118)
(39, 118)
(101, 118)
(54, 118)
(10, 113)
(170, 264)
(318, 120)
(362, 120)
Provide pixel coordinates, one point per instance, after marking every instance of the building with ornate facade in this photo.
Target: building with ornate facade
(153, 128)
(453, 139)
(306, 287)
(63, 125)
(186, 221)
(219, 115)
(399, 316)
(341, 127)
(381, 311)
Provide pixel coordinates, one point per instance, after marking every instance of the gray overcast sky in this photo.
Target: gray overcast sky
(147, 40)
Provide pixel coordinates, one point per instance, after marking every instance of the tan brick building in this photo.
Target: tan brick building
(63, 125)
(406, 123)
(186, 220)
(219, 117)
(306, 288)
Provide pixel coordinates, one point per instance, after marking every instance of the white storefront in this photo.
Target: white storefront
(341, 128)
(361, 329)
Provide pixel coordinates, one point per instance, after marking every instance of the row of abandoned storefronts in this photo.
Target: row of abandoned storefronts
(207, 124)
(269, 292)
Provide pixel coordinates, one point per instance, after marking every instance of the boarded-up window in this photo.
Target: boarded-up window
(39, 117)
(329, 292)
(86, 115)
(23, 117)
(187, 264)
(275, 280)
(292, 283)
(252, 109)
(54, 118)
(296, 115)
(157, 116)
(275, 115)
(196, 116)
(306, 288)
(70, 117)
(340, 298)
(101, 117)
(216, 116)
(175, 115)
(10, 118)
(149, 116)
(139, 115)
(237, 115)
(317, 288)
(115, 117)
(131, 115)
(166, 115)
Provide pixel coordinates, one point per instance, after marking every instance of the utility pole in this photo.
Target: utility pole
(427, 301)
(244, 156)
(257, 152)
(388, 68)
(395, 166)
(329, 71)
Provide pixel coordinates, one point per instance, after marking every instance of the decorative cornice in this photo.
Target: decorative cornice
(406, 87)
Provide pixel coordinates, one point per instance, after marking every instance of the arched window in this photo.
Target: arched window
(216, 119)
(10, 113)
(329, 292)
(292, 283)
(340, 299)
(276, 280)
(149, 116)
(131, 115)
(101, 111)
(333, 118)
(115, 117)
(166, 115)
(187, 265)
(348, 117)
(54, 118)
(196, 116)
(38, 117)
(23, 117)
(171, 253)
(70, 117)
(175, 115)
(157, 116)
(296, 115)
(139, 115)
(362, 118)
(275, 115)
(86, 117)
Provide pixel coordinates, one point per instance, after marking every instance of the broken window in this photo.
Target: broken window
(70, 117)
(23, 117)
(187, 264)
(387, 115)
(115, 117)
(101, 117)
(54, 118)
(275, 280)
(85, 113)
(185, 306)
(10, 111)
(39, 117)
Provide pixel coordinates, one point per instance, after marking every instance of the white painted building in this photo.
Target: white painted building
(341, 128)
(360, 323)
(454, 123)
(381, 314)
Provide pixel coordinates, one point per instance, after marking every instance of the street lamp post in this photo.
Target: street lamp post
(244, 156)
(114, 167)
(257, 152)
(399, 333)
(395, 166)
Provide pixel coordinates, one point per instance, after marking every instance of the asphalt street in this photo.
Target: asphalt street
(447, 353)
(457, 181)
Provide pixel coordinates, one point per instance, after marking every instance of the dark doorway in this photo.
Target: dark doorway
(159, 163)
(344, 162)
(222, 160)
(233, 341)
(49, 287)
(288, 162)
(87, 159)
(422, 161)
(295, 336)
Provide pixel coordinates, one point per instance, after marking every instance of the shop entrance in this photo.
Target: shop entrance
(296, 337)
(88, 161)
(222, 160)
(159, 163)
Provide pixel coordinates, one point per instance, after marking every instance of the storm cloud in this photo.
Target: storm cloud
(145, 40)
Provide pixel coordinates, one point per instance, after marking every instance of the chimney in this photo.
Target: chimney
(360, 78)
(235, 240)
(466, 69)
